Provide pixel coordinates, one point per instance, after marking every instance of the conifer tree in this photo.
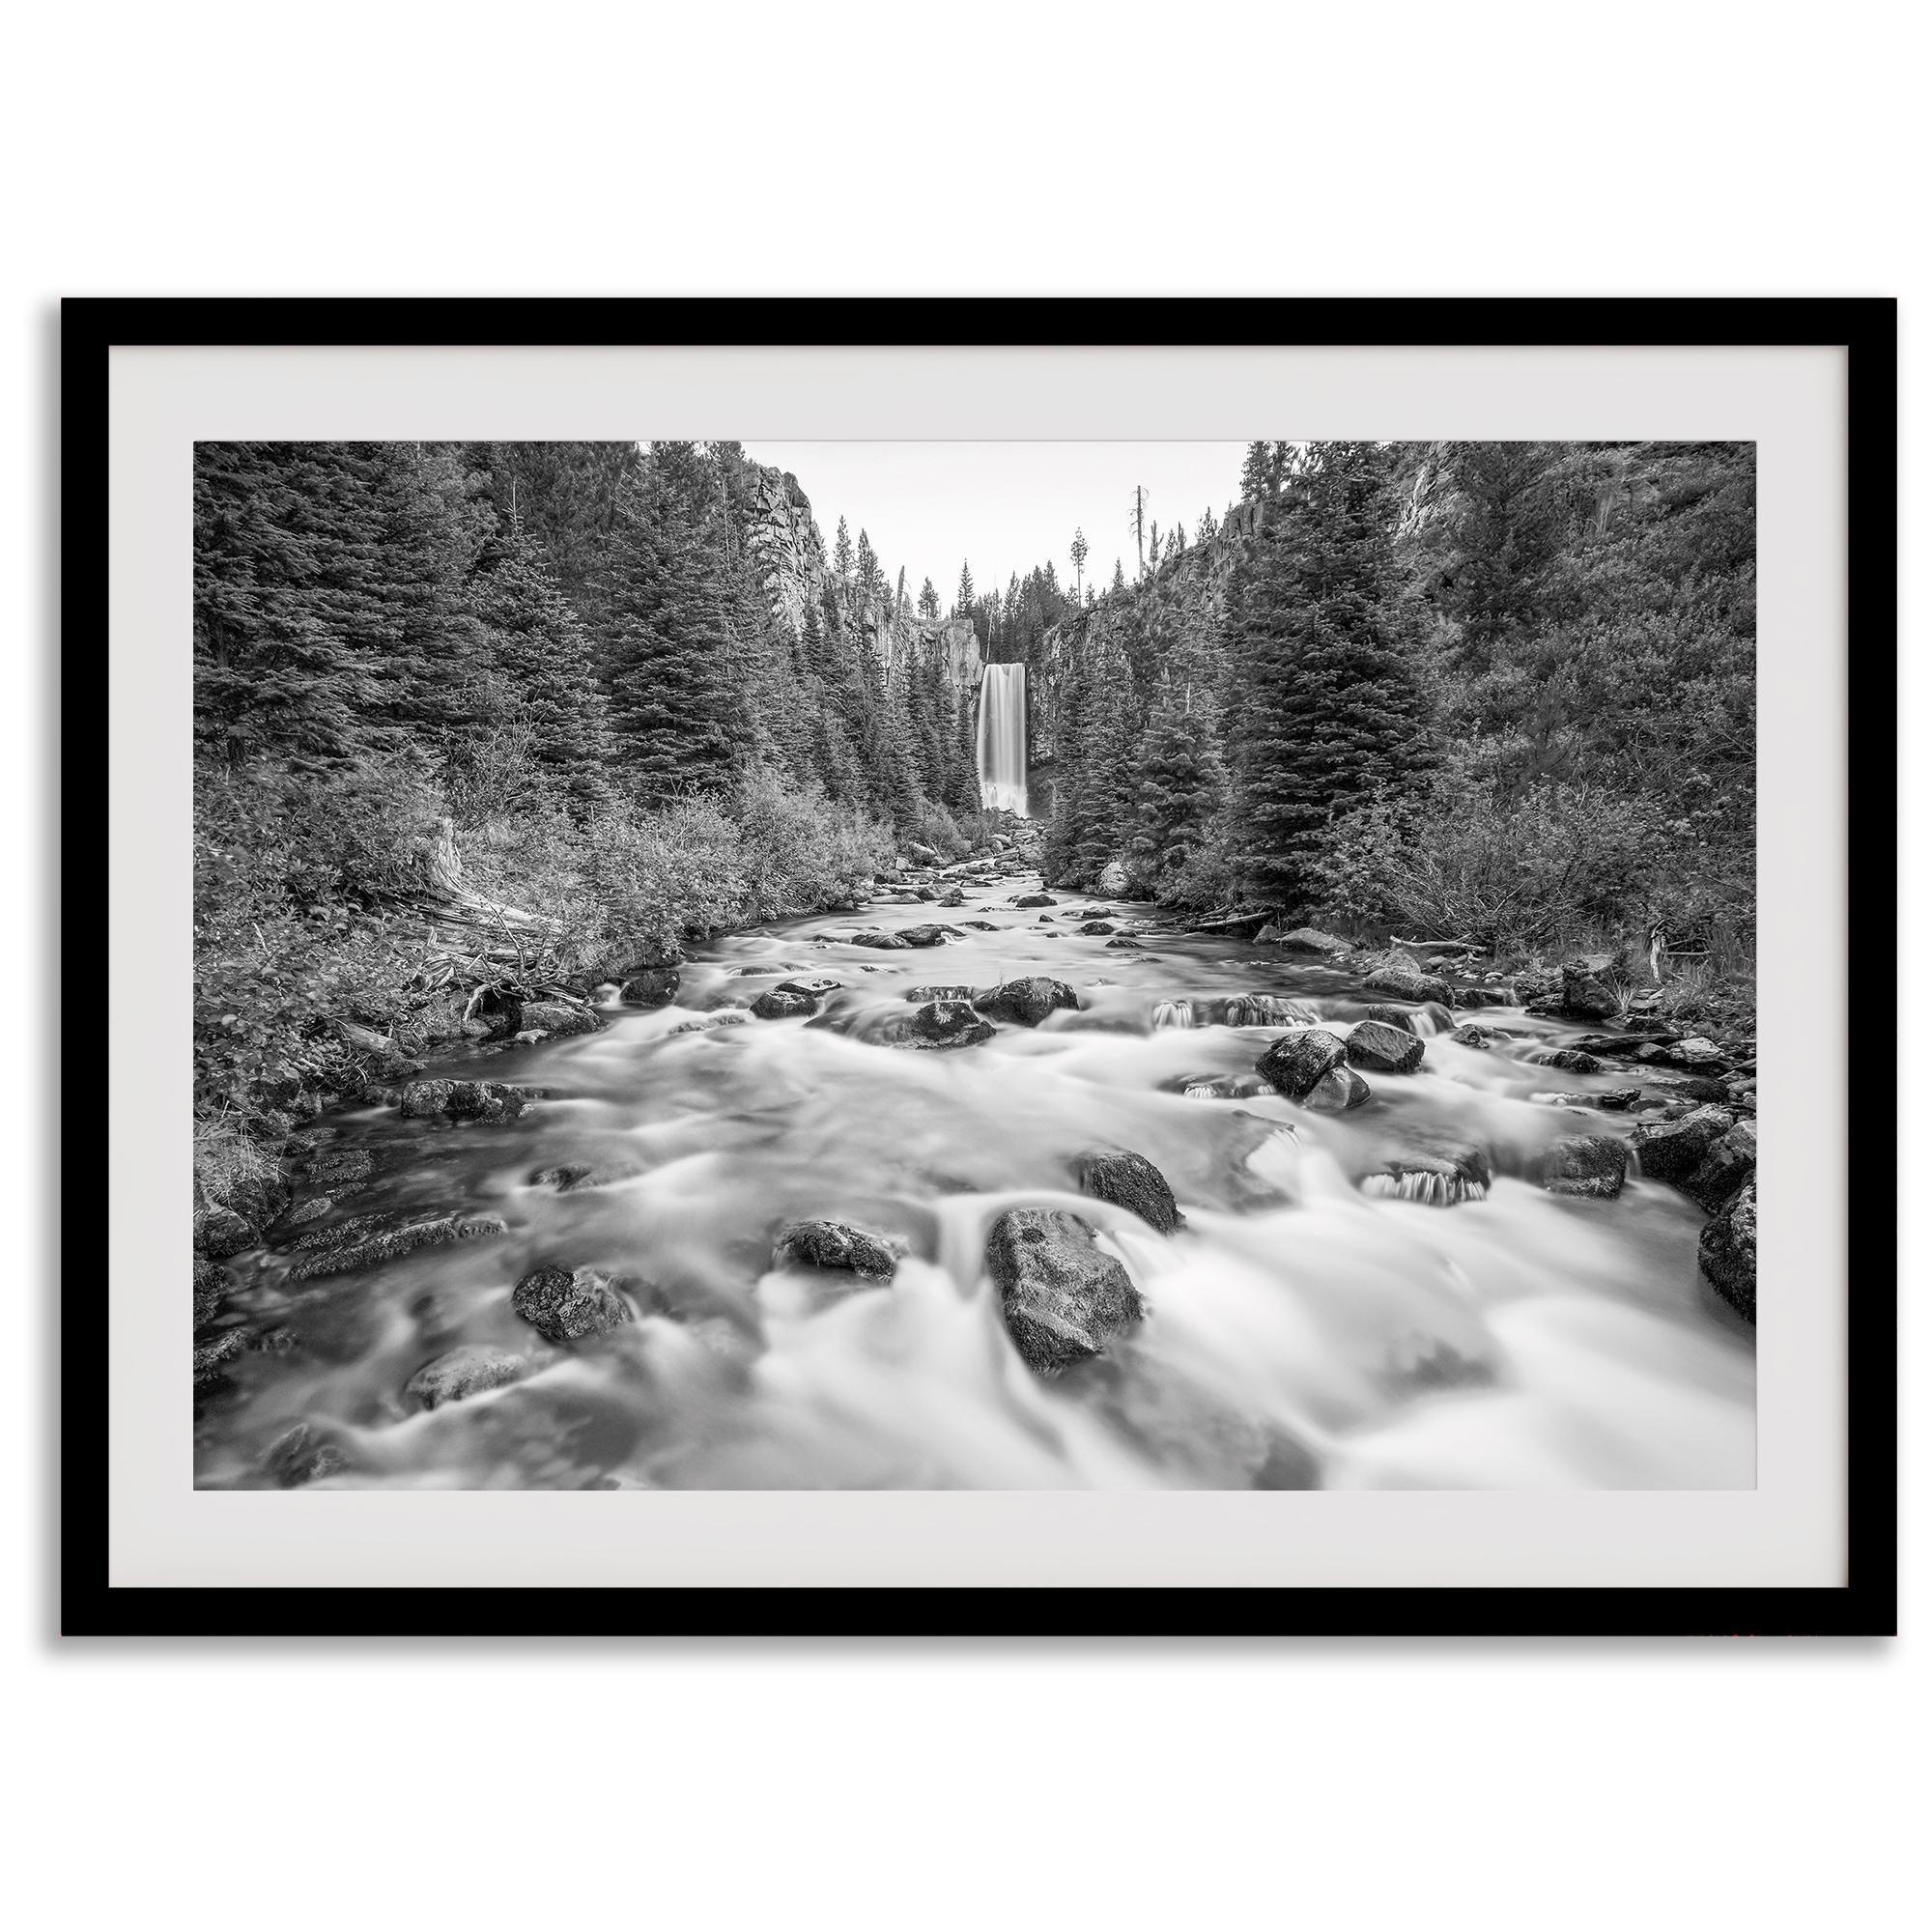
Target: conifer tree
(1179, 781)
(541, 658)
(928, 599)
(1329, 703)
(676, 702)
(962, 602)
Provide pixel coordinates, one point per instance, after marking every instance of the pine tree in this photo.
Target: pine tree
(841, 553)
(672, 671)
(962, 602)
(541, 658)
(1077, 553)
(928, 599)
(1329, 703)
(1179, 782)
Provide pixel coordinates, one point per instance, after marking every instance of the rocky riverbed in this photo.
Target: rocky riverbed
(983, 1185)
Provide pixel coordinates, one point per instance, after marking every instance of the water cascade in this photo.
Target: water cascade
(1003, 739)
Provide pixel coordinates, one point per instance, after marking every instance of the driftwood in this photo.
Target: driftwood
(466, 925)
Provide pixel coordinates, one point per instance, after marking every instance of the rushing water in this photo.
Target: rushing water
(1315, 1322)
(1003, 738)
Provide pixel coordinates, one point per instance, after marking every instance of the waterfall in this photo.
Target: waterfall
(1003, 738)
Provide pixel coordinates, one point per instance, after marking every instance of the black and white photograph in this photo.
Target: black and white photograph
(998, 965)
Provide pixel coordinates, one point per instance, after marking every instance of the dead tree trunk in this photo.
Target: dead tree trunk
(466, 923)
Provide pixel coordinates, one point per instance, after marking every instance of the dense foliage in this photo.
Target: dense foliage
(579, 657)
(1500, 692)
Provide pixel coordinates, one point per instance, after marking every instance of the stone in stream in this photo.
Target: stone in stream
(1593, 986)
(841, 1246)
(574, 1176)
(565, 1304)
(1298, 1062)
(654, 986)
(1696, 1055)
(812, 988)
(1028, 1002)
(1728, 1165)
(1125, 945)
(1382, 1048)
(1395, 1016)
(1475, 1035)
(1483, 996)
(302, 1455)
(1064, 1298)
(1569, 1060)
(1302, 938)
(1673, 1150)
(924, 935)
(920, 995)
(220, 1232)
(1404, 980)
(368, 1240)
(1130, 1181)
(1096, 929)
(946, 1023)
(470, 1370)
(1618, 1099)
(1440, 1175)
(949, 901)
(1036, 899)
(884, 942)
(1338, 1091)
(780, 1005)
(1584, 1164)
(1727, 1250)
(980, 926)
(462, 1100)
(553, 1016)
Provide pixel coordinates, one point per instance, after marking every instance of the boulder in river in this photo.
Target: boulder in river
(1028, 1002)
(1096, 929)
(1064, 1298)
(1338, 1091)
(654, 986)
(565, 1304)
(220, 1232)
(462, 1100)
(1480, 1036)
(1673, 1150)
(553, 1016)
(882, 942)
(1584, 1164)
(841, 1246)
(1727, 1250)
(1036, 899)
(367, 1240)
(1730, 1164)
(1593, 986)
(781, 1005)
(470, 1370)
(303, 1454)
(1403, 979)
(1303, 939)
(1130, 1180)
(1569, 1060)
(574, 1177)
(814, 987)
(1382, 1048)
(1297, 1062)
(924, 935)
(947, 1023)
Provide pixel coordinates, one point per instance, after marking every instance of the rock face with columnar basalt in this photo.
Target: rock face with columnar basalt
(1298, 1062)
(1064, 1298)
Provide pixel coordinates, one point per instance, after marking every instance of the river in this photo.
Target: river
(1305, 1326)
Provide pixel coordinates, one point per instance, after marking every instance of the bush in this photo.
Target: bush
(1550, 865)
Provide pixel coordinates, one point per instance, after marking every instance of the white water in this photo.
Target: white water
(1402, 1336)
(1003, 739)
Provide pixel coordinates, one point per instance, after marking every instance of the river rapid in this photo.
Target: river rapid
(1309, 1326)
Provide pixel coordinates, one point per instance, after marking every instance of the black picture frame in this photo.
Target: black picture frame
(1864, 328)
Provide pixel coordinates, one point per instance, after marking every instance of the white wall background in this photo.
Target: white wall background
(1405, 149)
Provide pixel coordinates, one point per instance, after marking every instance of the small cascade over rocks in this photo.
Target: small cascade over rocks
(998, 1217)
(1003, 739)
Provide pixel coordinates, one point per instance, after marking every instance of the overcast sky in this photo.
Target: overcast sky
(1004, 506)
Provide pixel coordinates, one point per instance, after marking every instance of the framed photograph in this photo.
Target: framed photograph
(984, 967)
